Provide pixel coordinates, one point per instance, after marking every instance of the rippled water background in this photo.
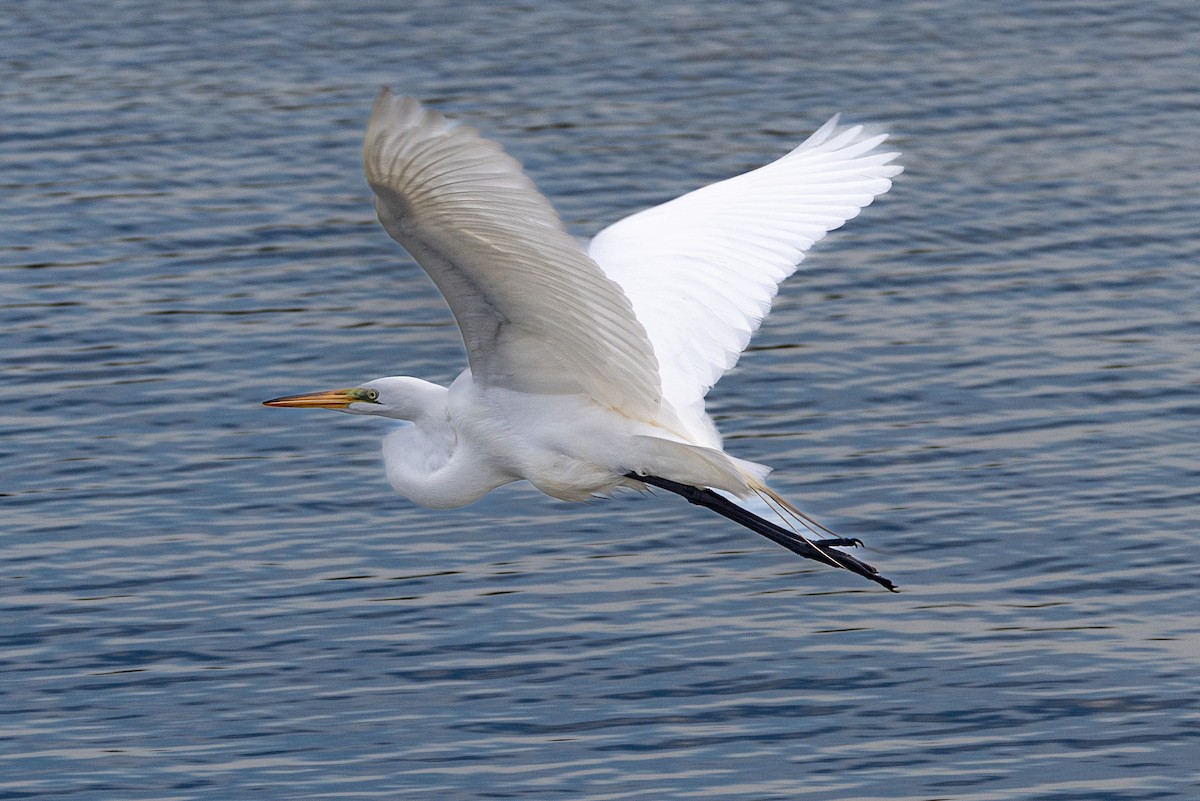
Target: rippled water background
(992, 376)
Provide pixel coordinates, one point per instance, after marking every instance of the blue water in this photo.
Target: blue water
(991, 376)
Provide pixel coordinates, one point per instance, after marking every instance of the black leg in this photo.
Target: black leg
(818, 550)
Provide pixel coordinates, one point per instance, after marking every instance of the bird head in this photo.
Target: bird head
(399, 397)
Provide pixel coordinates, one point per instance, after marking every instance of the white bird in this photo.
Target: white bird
(588, 368)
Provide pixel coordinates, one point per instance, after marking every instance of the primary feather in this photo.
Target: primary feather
(701, 270)
(536, 313)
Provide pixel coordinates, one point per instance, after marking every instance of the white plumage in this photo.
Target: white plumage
(588, 369)
(702, 270)
(525, 296)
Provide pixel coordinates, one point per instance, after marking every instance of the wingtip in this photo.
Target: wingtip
(850, 141)
(382, 99)
(824, 132)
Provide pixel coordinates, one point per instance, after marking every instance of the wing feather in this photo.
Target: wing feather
(535, 312)
(702, 270)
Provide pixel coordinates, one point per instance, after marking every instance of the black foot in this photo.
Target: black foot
(817, 550)
(840, 542)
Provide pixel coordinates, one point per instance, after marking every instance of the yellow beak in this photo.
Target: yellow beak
(329, 399)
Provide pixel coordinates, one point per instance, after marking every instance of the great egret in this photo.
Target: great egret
(588, 368)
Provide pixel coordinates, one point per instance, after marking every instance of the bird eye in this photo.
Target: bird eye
(371, 395)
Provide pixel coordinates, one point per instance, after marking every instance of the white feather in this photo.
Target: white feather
(701, 270)
(588, 372)
(536, 313)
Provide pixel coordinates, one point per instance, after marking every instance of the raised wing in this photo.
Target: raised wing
(702, 270)
(536, 313)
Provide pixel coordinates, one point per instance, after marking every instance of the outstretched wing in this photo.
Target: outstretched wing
(536, 313)
(702, 270)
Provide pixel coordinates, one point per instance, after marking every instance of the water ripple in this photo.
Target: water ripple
(990, 377)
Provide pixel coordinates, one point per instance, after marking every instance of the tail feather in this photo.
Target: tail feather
(790, 515)
(700, 466)
(786, 510)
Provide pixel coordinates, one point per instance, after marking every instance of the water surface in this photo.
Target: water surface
(991, 376)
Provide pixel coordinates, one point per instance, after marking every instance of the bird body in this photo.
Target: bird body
(465, 441)
(588, 368)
